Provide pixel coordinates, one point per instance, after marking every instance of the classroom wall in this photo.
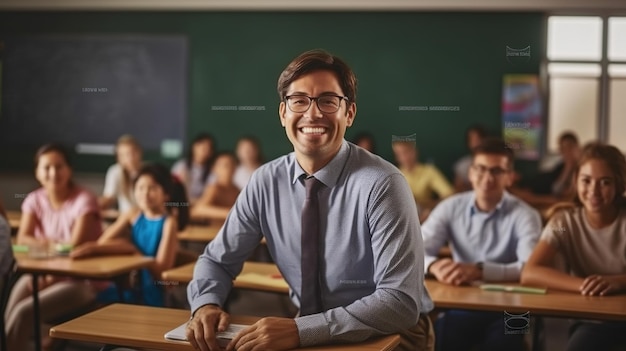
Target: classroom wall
(401, 59)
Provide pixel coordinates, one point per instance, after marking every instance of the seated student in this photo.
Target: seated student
(58, 212)
(474, 135)
(250, 158)
(119, 177)
(366, 141)
(194, 171)
(154, 224)
(491, 234)
(219, 197)
(424, 179)
(550, 187)
(590, 236)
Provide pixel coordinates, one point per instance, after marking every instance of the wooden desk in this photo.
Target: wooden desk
(555, 303)
(103, 267)
(14, 218)
(145, 327)
(254, 276)
(199, 233)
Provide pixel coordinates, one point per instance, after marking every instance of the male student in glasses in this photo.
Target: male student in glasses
(491, 234)
(339, 222)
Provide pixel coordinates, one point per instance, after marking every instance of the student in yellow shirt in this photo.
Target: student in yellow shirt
(425, 180)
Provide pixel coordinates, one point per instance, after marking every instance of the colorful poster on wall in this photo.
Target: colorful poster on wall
(521, 115)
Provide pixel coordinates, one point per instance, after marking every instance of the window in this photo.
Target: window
(587, 81)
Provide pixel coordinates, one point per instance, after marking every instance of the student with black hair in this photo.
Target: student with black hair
(194, 170)
(162, 212)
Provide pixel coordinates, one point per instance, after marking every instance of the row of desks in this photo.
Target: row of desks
(265, 277)
(191, 233)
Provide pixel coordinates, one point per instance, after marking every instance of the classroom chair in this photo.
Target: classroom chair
(9, 277)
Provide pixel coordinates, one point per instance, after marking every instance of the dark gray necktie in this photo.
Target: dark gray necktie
(310, 301)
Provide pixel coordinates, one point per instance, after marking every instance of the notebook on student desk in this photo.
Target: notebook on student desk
(223, 338)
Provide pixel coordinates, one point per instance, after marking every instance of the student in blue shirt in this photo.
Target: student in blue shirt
(161, 213)
(491, 234)
(368, 278)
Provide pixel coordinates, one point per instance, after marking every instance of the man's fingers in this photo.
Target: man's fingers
(191, 336)
(197, 337)
(241, 338)
(208, 329)
(224, 321)
(449, 271)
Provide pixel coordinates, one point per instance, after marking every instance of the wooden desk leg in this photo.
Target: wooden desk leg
(537, 329)
(36, 314)
(119, 282)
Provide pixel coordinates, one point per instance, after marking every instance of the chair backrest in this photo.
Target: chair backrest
(7, 265)
(6, 249)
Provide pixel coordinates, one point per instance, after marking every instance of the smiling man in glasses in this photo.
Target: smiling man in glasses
(339, 222)
(491, 234)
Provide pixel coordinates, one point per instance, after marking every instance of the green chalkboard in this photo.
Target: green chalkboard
(432, 74)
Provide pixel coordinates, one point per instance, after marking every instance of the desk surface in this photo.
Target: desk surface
(553, 303)
(145, 327)
(199, 233)
(102, 267)
(254, 275)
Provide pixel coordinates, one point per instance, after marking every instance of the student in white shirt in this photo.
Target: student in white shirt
(250, 158)
(119, 177)
(590, 235)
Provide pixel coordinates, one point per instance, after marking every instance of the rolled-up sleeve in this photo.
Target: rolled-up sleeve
(436, 232)
(222, 259)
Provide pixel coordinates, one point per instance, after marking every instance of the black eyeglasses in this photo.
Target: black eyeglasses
(494, 171)
(325, 103)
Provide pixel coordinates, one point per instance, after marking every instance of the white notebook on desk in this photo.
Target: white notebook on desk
(223, 338)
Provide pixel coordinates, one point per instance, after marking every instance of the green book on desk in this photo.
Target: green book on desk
(513, 288)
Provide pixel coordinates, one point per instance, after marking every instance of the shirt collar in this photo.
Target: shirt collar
(329, 174)
(472, 209)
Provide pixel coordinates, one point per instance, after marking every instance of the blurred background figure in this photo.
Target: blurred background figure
(427, 183)
(250, 158)
(548, 188)
(194, 170)
(366, 141)
(220, 195)
(118, 182)
(474, 135)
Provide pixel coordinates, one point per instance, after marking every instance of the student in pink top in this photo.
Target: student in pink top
(58, 212)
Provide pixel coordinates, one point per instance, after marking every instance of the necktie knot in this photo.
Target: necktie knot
(312, 186)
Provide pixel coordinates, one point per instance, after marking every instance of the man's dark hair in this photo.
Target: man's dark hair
(495, 146)
(318, 60)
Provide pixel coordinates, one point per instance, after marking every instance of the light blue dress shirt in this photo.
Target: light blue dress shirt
(502, 239)
(372, 267)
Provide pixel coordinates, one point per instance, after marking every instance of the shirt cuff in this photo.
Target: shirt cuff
(428, 260)
(202, 300)
(313, 330)
(501, 272)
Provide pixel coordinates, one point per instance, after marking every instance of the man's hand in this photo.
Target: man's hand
(600, 285)
(206, 322)
(270, 333)
(454, 273)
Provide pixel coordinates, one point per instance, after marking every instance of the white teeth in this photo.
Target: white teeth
(311, 130)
